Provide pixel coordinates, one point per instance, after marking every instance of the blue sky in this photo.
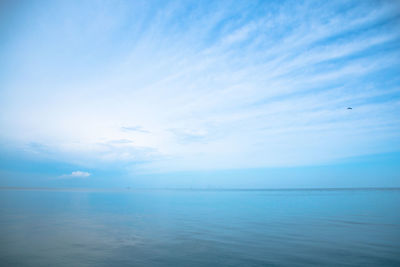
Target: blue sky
(200, 93)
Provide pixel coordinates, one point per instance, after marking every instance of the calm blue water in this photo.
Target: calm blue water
(200, 228)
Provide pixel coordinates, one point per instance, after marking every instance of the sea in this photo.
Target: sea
(187, 227)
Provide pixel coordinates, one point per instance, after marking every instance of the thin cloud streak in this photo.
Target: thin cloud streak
(134, 129)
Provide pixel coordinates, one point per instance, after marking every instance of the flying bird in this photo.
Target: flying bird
(349, 108)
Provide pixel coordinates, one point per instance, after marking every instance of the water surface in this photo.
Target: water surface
(200, 228)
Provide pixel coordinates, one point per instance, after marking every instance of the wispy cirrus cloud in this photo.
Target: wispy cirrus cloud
(205, 86)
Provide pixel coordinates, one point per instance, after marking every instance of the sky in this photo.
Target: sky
(208, 94)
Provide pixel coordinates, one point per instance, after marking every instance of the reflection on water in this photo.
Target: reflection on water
(200, 228)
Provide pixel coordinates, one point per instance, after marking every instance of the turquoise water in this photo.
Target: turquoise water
(200, 228)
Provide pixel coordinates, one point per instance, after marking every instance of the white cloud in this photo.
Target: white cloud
(76, 174)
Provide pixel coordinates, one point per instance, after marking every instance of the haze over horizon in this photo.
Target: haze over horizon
(184, 94)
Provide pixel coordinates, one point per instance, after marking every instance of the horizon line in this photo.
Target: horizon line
(130, 189)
